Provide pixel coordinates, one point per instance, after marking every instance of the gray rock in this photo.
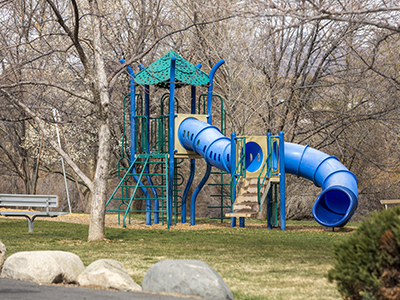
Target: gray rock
(3, 251)
(108, 273)
(43, 266)
(186, 277)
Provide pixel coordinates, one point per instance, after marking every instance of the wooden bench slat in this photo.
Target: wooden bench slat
(393, 201)
(241, 215)
(32, 213)
(28, 200)
(45, 201)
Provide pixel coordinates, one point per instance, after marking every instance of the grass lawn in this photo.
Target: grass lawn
(255, 263)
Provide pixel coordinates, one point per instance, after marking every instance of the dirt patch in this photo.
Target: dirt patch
(112, 222)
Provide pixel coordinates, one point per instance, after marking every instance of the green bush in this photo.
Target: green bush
(368, 262)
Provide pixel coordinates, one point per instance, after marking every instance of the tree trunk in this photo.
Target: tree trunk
(98, 207)
(97, 211)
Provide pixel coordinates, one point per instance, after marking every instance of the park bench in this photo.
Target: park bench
(44, 201)
(386, 202)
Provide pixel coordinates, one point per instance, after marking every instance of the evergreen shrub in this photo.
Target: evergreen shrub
(368, 263)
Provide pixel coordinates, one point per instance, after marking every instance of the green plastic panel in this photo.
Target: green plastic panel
(158, 73)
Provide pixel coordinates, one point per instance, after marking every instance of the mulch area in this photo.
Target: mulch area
(112, 222)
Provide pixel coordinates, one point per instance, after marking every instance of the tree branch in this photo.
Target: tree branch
(53, 143)
(73, 35)
(140, 56)
(47, 84)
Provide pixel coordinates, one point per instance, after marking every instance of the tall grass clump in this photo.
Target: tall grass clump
(368, 262)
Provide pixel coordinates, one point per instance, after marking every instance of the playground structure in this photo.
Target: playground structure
(158, 145)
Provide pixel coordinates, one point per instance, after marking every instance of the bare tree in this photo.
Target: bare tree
(67, 55)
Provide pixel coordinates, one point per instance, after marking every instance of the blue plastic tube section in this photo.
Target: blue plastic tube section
(207, 141)
(339, 197)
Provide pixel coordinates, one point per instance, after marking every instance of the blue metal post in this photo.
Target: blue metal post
(132, 135)
(209, 121)
(171, 139)
(210, 89)
(282, 178)
(192, 169)
(192, 161)
(268, 198)
(233, 175)
(132, 114)
(195, 193)
(148, 177)
(146, 113)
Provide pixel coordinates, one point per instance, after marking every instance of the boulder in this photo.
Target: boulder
(186, 277)
(108, 273)
(43, 266)
(3, 251)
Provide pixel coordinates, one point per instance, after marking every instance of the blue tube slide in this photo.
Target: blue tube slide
(206, 140)
(339, 197)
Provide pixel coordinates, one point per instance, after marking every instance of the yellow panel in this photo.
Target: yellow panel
(262, 142)
(180, 151)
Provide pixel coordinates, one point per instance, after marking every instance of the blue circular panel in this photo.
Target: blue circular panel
(254, 157)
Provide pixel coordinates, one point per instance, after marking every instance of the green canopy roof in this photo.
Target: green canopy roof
(158, 73)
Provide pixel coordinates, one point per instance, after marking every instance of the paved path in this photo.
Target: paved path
(21, 290)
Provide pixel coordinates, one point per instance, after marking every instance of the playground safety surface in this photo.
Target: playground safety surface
(112, 222)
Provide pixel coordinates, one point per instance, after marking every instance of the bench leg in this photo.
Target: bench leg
(30, 222)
